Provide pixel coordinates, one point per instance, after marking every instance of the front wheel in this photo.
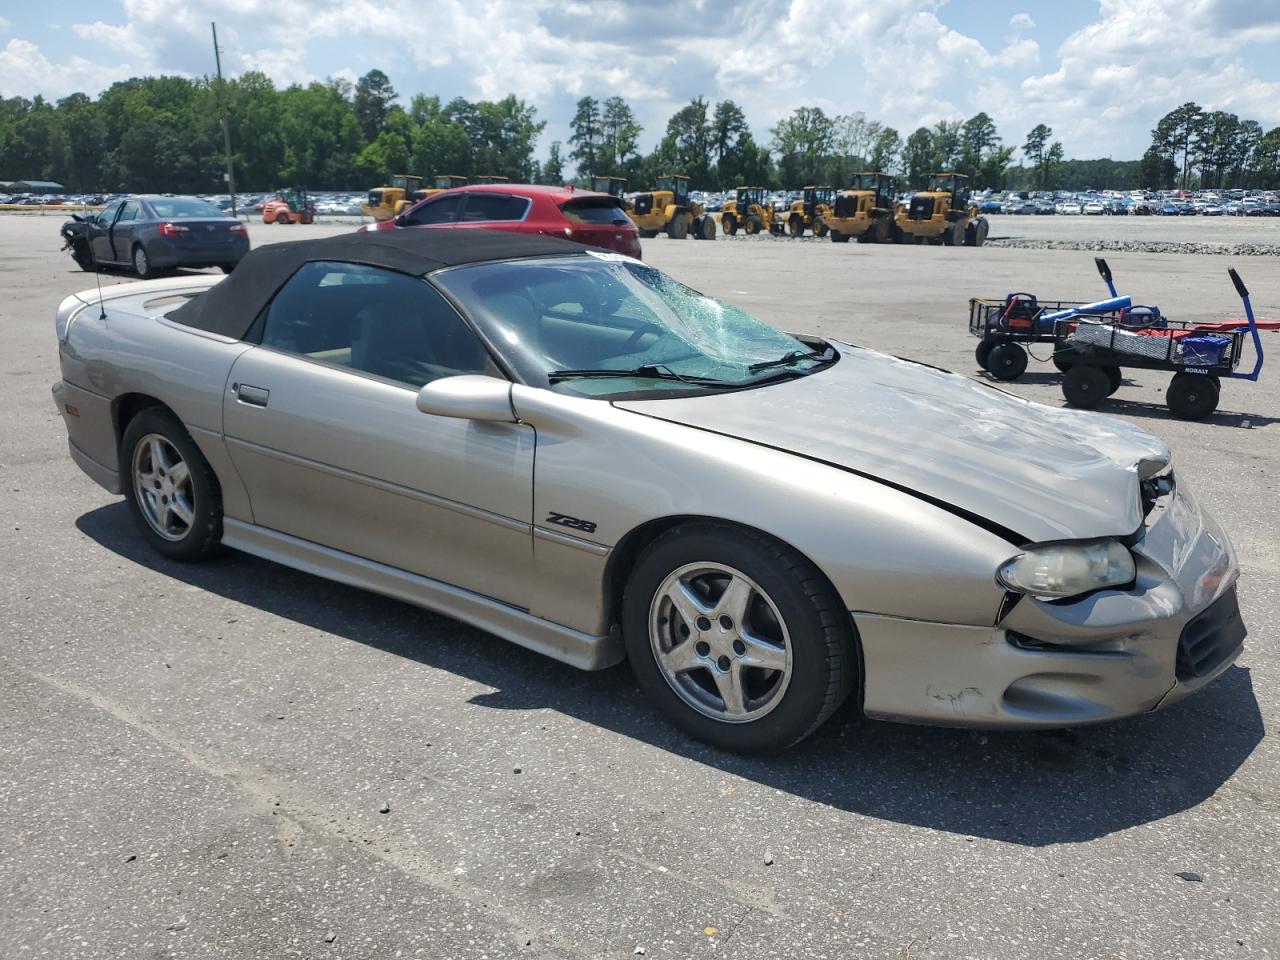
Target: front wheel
(1191, 396)
(729, 223)
(707, 228)
(737, 639)
(819, 227)
(1007, 361)
(753, 225)
(838, 237)
(678, 228)
(171, 490)
(1086, 386)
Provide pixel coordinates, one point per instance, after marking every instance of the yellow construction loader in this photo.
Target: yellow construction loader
(383, 203)
(750, 211)
(864, 212)
(613, 186)
(812, 212)
(942, 213)
(669, 208)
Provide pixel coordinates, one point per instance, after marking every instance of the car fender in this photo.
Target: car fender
(602, 472)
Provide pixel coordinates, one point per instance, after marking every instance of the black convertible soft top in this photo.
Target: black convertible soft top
(230, 307)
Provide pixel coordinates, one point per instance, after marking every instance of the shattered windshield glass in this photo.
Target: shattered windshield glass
(574, 323)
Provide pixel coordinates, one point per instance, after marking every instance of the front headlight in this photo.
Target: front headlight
(1069, 569)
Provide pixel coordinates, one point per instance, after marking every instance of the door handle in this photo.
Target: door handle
(254, 396)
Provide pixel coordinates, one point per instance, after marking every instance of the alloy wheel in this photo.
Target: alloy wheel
(162, 487)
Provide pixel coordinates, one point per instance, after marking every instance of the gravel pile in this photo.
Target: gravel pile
(1144, 246)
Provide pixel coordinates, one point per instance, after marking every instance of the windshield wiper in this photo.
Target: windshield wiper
(795, 356)
(648, 371)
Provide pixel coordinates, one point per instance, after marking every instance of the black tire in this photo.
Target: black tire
(141, 262)
(1007, 361)
(707, 229)
(83, 256)
(203, 534)
(1114, 378)
(838, 237)
(975, 234)
(823, 645)
(819, 227)
(228, 267)
(795, 225)
(1086, 386)
(1062, 365)
(678, 228)
(753, 225)
(1191, 396)
(983, 353)
(729, 224)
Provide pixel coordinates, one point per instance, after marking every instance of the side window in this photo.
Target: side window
(493, 206)
(130, 211)
(374, 321)
(439, 210)
(109, 214)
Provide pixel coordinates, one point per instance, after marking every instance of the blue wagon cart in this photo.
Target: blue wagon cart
(1199, 355)
(1007, 326)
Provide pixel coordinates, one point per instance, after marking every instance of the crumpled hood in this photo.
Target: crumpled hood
(1041, 472)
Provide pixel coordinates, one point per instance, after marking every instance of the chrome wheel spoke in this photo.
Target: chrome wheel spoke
(158, 462)
(761, 653)
(735, 600)
(682, 658)
(729, 684)
(179, 473)
(687, 603)
(182, 510)
(164, 494)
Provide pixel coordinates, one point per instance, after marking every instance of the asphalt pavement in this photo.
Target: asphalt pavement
(236, 760)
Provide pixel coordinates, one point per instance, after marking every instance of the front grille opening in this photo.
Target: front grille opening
(1154, 489)
(1211, 637)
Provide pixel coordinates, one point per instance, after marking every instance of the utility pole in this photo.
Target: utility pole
(226, 129)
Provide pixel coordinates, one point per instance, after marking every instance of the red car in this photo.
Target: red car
(595, 219)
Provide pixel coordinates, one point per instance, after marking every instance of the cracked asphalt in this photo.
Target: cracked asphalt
(194, 760)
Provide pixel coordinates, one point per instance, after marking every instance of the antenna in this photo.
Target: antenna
(226, 129)
(97, 276)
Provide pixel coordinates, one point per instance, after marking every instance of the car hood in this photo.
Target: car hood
(1041, 473)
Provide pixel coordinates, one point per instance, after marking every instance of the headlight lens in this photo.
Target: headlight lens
(1069, 569)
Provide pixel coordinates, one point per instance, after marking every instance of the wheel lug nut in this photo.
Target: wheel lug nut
(702, 648)
(704, 623)
(725, 623)
(739, 647)
(723, 663)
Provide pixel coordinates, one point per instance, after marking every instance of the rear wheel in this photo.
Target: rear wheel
(707, 229)
(983, 353)
(678, 228)
(1114, 379)
(1062, 365)
(171, 490)
(736, 638)
(729, 224)
(1086, 386)
(819, 227)
(975, 235)
(647, 234)
(1007, 361)
(305, 218)
(838, 237)
(142, 263)
(282, 217)
(795, 225)
(1191, 396)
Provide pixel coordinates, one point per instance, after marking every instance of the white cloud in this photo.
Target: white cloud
(4, 24)
(896, 60)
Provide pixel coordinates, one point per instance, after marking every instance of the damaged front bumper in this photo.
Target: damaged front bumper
(1058, 663)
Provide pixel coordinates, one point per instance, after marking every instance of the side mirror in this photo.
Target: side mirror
(469, 397)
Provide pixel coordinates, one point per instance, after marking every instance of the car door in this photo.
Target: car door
(100, 232)
(322, 424)
(438, 211)
(122, 231)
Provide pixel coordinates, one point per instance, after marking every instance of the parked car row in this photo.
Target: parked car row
(1136, 203)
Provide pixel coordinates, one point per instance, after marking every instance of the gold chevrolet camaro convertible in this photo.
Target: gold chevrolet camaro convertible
(574, 451)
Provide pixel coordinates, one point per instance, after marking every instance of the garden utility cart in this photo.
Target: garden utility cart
(1199, 355)
(1006, 327)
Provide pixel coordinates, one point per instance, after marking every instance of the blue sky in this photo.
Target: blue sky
(1099, 72)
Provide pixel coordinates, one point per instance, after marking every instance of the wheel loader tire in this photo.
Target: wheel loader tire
(819, 227)
(305, 218)
(678, 228)
(795, 225)
(282, 217)
(707, 229)
(776, 228)
(729, 224)
(753, 225)
(838, 237)
(976, 233)
(647, 234)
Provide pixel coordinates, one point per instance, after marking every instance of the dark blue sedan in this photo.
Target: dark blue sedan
(148, 234)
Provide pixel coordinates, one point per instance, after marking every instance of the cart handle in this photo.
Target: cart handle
(1105, 272)
(1102, 306)
(1243, 291)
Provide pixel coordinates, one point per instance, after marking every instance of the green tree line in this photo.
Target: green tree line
(163, 134)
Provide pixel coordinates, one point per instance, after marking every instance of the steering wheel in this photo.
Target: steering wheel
(633, 341)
